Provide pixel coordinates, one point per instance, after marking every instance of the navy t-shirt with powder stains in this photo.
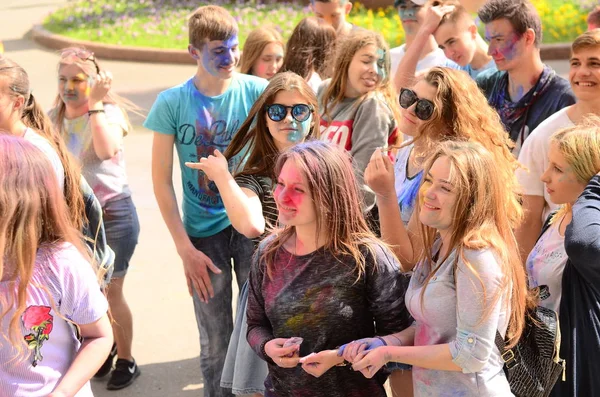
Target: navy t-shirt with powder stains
(317, 297)
(550, 94)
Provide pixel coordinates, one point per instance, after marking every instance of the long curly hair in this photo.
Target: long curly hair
(462, 114)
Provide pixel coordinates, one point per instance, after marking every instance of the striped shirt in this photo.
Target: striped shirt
(262, 186)
(63, 285)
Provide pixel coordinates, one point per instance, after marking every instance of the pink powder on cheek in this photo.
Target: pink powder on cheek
(260, 69)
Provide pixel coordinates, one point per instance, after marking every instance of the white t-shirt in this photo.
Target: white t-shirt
(534, 156)
(545, 266)
(314, 81)
(42, 143)
(434, 58)
(62, 278)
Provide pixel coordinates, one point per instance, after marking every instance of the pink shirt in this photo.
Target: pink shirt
(63, 286)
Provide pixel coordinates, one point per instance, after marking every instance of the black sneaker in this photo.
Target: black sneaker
(123, 375)
(108, 364)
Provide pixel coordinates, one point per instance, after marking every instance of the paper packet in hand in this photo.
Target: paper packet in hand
(293, 341)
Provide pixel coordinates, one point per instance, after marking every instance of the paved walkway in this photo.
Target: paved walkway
(166, 339)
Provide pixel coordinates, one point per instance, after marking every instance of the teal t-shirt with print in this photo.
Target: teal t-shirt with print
(202, 124)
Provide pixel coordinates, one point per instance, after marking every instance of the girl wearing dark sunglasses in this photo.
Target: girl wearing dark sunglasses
(284, 115)
(445, 105)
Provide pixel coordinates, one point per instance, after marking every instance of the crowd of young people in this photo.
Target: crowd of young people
(386, 212)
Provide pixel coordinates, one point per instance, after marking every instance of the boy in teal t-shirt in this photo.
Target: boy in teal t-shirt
(197, 117)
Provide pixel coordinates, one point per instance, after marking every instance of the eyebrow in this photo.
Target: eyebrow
(446, 42)
(441, 180)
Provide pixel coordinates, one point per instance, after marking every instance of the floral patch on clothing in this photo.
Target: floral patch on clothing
(39, 321)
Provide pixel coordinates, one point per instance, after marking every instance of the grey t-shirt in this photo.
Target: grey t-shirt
(359, 125)
(451, 312)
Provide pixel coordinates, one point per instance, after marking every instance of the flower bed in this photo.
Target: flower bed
(162, 23)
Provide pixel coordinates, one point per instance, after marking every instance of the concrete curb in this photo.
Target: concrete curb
(559, 51)
(111, 51)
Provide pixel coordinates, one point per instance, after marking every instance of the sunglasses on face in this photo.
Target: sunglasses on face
(82, 54)
(278, 112)
(424, 108)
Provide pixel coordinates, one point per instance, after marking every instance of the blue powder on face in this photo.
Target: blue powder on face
(222, 56)
(302, 130)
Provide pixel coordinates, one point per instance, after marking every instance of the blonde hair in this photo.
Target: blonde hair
(32, 214)
(210, 23)
(335, 92)
(580, 146)
(90, 67)
(462, 113)
(33, 116)
(256, 42)
(479, 222)
(337, 200)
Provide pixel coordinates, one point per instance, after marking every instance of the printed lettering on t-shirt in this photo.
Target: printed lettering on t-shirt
(338, 132)
(206, 139)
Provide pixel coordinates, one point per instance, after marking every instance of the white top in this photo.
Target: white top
(314, 81)
(62, 279)
(406, 187)
(545, 266)
(434, 58)
(534, 157)
(42, 143)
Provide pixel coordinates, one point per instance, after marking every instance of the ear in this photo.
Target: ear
(193, 52)
(473, 30)
(348, 8)
(529, 36)
(19, 102)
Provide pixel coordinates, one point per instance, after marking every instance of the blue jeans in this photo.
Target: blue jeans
(122, 228)
(215, 318)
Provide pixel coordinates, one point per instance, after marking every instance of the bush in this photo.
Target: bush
(162, 23)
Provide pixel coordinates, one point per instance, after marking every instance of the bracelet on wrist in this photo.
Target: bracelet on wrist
(382, 340)
(94, 111)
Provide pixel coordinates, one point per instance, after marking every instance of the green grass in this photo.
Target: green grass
(162, 23)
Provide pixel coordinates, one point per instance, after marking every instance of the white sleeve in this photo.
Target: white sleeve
(81, 299)
(534, 157)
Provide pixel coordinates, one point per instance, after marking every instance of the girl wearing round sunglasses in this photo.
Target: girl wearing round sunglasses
(284, 115)
(359, 107)
(444, 105)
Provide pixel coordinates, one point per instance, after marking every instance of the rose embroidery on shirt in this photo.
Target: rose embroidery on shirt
(37, 320)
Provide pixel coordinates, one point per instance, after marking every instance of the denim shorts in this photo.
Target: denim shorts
(122, 228)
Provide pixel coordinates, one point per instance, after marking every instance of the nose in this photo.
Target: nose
(70, 85)
(546, 175)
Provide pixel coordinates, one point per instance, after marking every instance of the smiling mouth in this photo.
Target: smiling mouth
(585, 84)
(430, 207)
(287, 209)
(409, 120)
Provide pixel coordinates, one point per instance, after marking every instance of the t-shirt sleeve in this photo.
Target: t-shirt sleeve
(162, 117)
(250, 183)
(532, 156)
(485, 81)
(386, 287)
(260, 330)
(81, 299)
(115, 116)
(373, 123)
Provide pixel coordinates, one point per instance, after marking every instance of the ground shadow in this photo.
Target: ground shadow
(173, 379)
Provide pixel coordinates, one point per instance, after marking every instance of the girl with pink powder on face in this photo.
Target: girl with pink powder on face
(263, 53)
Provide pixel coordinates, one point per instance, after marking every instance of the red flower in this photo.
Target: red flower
(47, 329)
(34, 316)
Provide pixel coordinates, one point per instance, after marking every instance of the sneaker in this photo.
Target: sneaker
(123, 375)
(108, 364)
